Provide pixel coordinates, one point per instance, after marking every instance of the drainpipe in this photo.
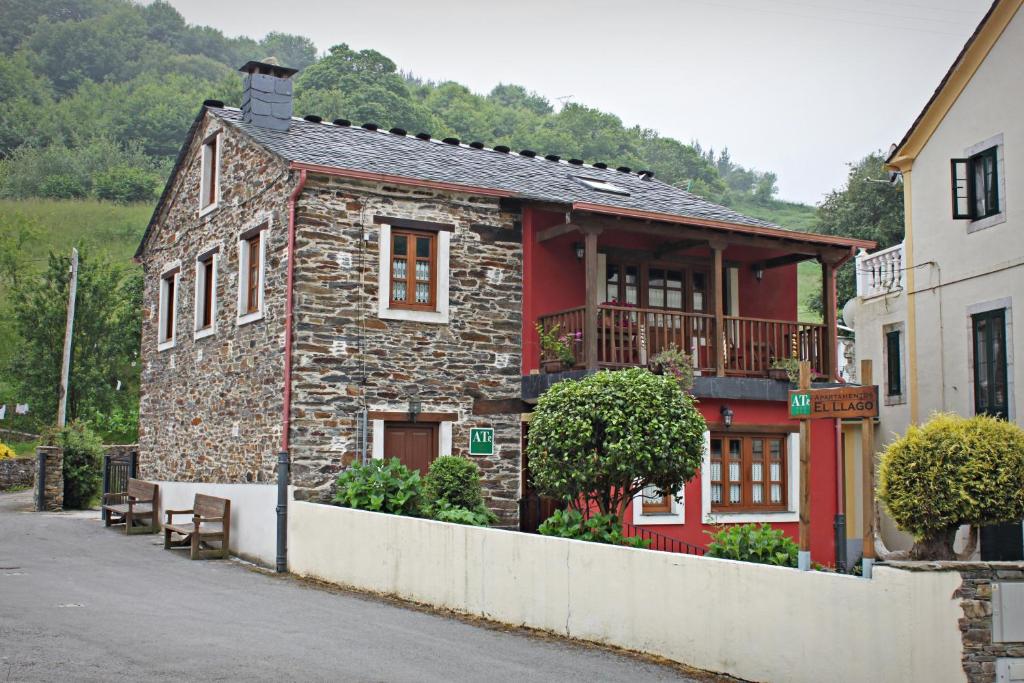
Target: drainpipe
(839, 523)
(283, 463)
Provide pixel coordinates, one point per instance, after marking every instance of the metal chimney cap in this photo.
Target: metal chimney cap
(254, 67)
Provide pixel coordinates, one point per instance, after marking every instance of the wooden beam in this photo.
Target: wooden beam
(499, 406)
(556, 231)
(679, 245)
(828, 306)
(590, 313)
(399, 416)
(716, 268)
(786, 260)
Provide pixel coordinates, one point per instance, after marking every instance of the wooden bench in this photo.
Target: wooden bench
(136, 508)
(211, 521)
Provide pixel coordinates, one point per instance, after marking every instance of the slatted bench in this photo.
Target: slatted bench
(135, 508)
(211, 521)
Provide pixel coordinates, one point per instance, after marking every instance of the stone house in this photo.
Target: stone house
(339, 292)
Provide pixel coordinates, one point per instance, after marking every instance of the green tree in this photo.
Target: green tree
(597, 442)
(105, 346)
(296, 52)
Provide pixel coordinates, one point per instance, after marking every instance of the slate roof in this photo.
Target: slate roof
(536, 178)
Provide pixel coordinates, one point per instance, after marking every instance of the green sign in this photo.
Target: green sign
(481, 441)
(799, 404)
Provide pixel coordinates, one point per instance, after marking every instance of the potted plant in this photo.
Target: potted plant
(672, 361)
(556, 349)
(785, 370)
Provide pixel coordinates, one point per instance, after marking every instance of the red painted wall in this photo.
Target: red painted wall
(823, 480)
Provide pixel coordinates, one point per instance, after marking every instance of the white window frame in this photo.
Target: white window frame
(792, 492)
(262, 228)
(900, 398)
(998, 218)
(170, 271)
(208, 164)
(213, 253)
(1005, 303)
(440, 314)
(676, 515)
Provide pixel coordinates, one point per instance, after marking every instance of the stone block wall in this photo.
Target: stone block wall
(53, 478)
(349, 359)
(17, 472)
(210, 408)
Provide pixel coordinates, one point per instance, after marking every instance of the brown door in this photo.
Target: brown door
(414, 444)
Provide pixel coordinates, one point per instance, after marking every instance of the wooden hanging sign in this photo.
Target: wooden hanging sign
(838, 402)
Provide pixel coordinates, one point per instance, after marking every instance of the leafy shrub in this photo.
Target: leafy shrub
(83, 463)
(597, 528)
(754, 543)
(557, 346)
(62, 186)
(452, 492)
(117, 425)
(597, 442)
(125, 185)
(952, 471)
(6, 452)
(380, 486)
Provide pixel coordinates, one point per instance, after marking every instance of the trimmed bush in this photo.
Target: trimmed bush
(754, 543)
(83, 463)
(452, 492)
(596, 529)
(380, 486)
(952, 471)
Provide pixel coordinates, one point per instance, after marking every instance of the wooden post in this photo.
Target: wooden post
(719, 347)
(590, 313)
(65, 370)
(804, 557)
(830, 366)
(867, 435)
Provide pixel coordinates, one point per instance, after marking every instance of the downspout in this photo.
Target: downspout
(839, 523)
(283, 462)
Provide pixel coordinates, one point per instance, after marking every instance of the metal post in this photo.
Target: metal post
(133, 466)
(69, 326)
(282, 512)
(840, 528)
(868, 475)
(106, 486)
(41, 482)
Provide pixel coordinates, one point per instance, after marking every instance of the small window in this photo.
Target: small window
(210, 180)
(413, 277)
(251, 267)
(654, 503)
(168, 308)
(206, 293)
(976, 185)
(991, 395)
(893, 364)
(603, 186)
(748, 472)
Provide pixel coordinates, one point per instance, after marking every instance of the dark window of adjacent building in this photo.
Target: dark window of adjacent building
(893, 371)
(990, 377)
(976, 185)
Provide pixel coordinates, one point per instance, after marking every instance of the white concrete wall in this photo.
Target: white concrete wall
(757, 622)
(253, 514)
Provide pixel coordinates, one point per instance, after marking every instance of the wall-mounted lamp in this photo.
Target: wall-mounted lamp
(415, 408)
(726, 416)
(578, 247)
(758, 271)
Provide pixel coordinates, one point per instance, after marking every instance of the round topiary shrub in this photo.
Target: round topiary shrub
(597, 442)
(83, 463)
(952, 471)
(452, 492)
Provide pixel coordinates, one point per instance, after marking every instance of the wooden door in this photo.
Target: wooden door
(413, 443)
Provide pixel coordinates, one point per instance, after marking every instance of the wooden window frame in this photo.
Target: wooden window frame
(992, 366)
(252, 242)
(661, 506)
(209, 177)
(411, 259)
(206, 292)
(746, 504)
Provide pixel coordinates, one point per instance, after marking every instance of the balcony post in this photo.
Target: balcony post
(828, 307)
(590, 312)
(717, 247)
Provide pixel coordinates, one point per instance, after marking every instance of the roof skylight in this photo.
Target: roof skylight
(602, 186)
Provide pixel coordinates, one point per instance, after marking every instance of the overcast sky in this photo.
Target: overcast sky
(800, 87)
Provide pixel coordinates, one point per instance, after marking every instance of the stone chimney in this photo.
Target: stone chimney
(267, 95)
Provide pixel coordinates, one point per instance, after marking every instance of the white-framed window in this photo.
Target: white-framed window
(167, 317)
(650, 507)
(206, 292)
(209, 188)
(789, 475)
(979, 185)
(252, 250)
(894, 354)
(395, 299)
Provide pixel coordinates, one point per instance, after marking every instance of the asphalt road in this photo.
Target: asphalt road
(79, 602)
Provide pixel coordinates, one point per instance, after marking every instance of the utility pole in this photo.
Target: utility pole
(65, 370)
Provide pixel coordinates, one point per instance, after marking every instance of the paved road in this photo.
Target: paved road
(79, 602)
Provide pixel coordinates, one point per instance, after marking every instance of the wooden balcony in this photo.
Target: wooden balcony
(628, 336)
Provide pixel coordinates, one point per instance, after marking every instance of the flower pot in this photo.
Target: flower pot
(779, 374)
(552, 366)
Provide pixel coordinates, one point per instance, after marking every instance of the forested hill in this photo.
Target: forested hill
(96, 97)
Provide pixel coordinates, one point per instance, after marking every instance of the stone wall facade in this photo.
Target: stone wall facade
(53, 478)
(17, 473)
(979, 653)
(349, 359)
(210, 408)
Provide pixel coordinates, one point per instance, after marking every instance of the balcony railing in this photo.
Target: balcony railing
(629, 336)
(881, 272)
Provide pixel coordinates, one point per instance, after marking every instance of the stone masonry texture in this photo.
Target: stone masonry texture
(211, 408)
(17, 472)
(53, 477)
